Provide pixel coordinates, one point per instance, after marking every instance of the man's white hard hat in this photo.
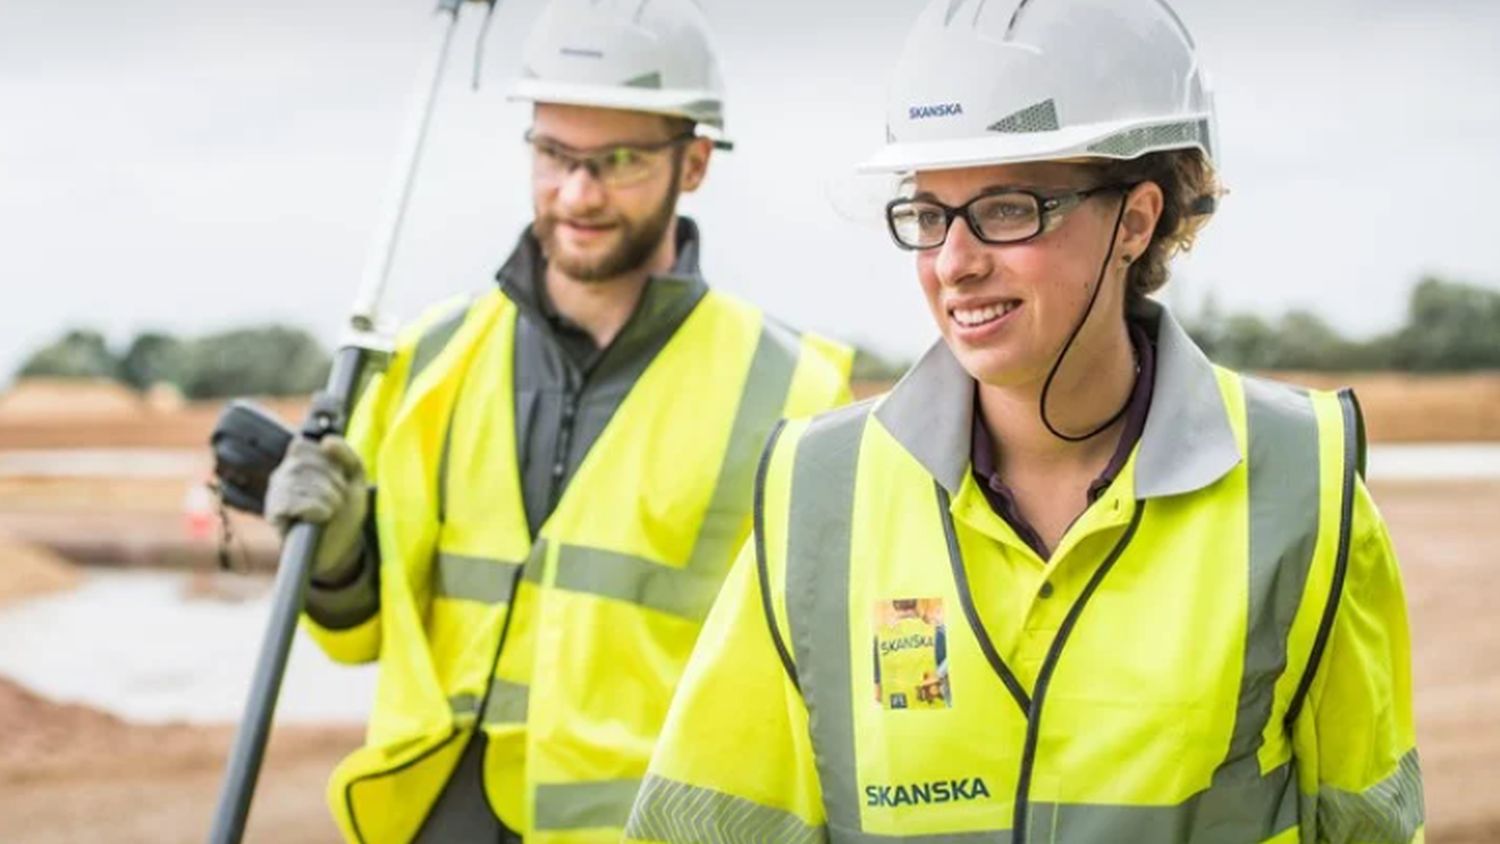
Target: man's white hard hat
(1005, 81)
(654, 56)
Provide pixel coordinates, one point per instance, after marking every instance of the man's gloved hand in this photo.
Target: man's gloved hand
(323, 483)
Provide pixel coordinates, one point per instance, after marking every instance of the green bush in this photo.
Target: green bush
(1449, 327)
(78, 354)
(272, 360)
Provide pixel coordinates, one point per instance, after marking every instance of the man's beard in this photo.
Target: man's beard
(637, 243)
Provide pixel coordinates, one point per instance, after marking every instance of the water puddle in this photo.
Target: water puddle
(141, 646)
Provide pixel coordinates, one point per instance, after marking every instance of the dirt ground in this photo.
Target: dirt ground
(31, 571)
(1445, 536)
(72, 774)
(43, 413)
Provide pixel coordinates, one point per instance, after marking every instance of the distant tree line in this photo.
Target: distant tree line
(871, 366)
(1449, 327)
(273, 360)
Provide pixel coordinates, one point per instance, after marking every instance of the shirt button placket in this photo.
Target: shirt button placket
(569, 413)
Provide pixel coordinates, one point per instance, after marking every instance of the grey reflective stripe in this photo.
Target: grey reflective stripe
(433, 340)
(677, 813)
(989, 836)
(506, 702)
(531, 570)
(761, 403)
(464, 707)
(481, 579)
(688, 591)
(819, 526)
(1236, 814)
(1283, 532)
(1352, 465)
(584, 805)
(1387, 812)
(635, 580)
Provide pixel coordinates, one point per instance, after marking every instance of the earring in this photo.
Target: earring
(1127, 258)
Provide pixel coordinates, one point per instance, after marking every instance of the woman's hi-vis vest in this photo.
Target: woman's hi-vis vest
(1158, 700)
(565, 648)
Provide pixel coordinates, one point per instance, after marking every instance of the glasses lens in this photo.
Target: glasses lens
(623, 166)
(918, 225)
(549, 163)
(1007, 216)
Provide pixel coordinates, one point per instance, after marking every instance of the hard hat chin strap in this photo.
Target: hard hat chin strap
(1057, 364)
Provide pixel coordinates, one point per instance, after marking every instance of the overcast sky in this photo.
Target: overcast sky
(189, 166)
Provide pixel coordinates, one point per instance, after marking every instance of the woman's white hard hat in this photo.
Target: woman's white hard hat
(654, 56)
(983, 82)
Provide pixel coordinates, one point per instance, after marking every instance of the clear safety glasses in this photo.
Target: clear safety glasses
(1005, 215)
(615, 166)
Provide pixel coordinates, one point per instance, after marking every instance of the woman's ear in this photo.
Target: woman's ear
(1143, 207)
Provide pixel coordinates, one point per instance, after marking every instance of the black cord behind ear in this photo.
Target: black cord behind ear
(1057, 364)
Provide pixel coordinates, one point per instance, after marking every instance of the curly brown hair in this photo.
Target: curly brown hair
(1189, 187)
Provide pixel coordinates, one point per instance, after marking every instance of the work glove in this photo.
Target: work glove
(322, 482)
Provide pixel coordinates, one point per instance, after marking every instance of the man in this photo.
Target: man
(563, 466)
(910, 652)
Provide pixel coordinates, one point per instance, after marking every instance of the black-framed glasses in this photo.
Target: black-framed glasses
(615, 166)
(1001, 215)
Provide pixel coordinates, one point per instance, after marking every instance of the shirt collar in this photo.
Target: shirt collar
(986, 463)
(1187, 442)
(521, 276)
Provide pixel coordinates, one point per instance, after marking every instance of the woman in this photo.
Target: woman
(1168, 609)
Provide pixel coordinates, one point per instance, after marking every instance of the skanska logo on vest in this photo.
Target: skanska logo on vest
(941, 791)
(923, 112)
(906, 643)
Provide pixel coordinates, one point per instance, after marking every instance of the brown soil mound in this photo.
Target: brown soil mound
(82, 413)
(28, 571)
(72, 773)
(1402, 407)
(50, 398)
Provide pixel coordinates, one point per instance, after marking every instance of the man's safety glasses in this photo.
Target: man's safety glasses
(1004, 215)
(615, 166)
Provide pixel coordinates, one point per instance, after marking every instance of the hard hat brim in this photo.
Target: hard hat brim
(1124, 139)
(699, 106)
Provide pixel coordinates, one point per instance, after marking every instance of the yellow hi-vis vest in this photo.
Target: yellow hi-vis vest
(1191, 665)
(563, 648)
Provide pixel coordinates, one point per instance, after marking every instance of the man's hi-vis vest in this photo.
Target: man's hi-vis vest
(1164, 706)
(563, 648)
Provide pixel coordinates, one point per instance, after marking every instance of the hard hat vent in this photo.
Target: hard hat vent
(648, 80)
(1134, 142)
(1041, 117)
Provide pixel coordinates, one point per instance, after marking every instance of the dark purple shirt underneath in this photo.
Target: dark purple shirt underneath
(1003, 501)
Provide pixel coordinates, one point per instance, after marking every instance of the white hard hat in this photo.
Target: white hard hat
(641, 55)
(1004, 81)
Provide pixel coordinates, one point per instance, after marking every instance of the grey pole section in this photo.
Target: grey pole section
(361, 347)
